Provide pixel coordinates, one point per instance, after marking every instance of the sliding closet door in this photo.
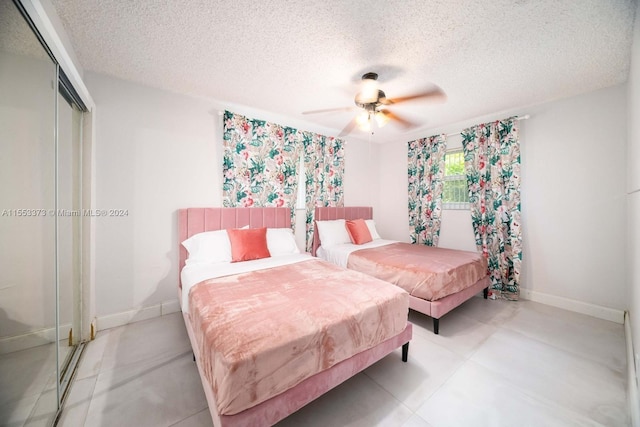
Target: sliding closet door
(28, 352)
(69, 222)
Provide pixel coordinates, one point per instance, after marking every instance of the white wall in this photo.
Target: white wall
(157, 152)
(361, 174)
(392, 221)
(573, 204)
(574, 216)
(633, 188)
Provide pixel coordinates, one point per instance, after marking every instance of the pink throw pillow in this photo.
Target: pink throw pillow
(358, 231)
(248, 244)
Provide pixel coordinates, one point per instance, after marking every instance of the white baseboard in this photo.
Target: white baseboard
(170, 307)
(130, 316)
(31, 339)
(598, 311)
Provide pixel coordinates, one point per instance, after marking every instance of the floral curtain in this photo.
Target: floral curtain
(324, 172)
(426, 172)
(260, 166)
(492, 164)
(260, 163)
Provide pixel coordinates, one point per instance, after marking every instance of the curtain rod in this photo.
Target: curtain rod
(517, 118)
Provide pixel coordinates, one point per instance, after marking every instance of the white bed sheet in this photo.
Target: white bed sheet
(339, 254)
(192, 274)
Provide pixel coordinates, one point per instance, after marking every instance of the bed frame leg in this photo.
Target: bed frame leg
(405, 351)
(436, 326)
(485, 292)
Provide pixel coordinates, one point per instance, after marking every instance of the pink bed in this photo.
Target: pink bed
(446, 280)
(240, 360)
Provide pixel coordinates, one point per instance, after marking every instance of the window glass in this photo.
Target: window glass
(455, 194)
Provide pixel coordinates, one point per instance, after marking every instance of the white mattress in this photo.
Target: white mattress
(192, 274)
(339, 254)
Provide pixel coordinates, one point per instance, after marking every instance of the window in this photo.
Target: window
(455, 194)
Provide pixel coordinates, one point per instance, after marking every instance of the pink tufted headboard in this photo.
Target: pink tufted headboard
(196, 220)
(329, 213)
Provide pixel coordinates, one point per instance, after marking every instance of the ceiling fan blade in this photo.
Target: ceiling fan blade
(348, 128)
(404, 122)
(330, 110)
(436, 94)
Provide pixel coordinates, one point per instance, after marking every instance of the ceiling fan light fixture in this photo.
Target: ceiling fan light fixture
(369, 91)
(372, 103)
(363, 120)
(381, 118)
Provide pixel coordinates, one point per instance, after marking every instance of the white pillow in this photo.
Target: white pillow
(209, 246)
(333, 232)
(281, 241)
(372, 229)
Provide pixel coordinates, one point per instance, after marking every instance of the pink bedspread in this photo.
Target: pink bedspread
(263, 332)
(423, 271)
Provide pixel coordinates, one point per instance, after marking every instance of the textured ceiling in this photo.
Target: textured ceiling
(286, 57)
(16, 37)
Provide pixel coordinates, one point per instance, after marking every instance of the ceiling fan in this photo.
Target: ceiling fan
(373, 102)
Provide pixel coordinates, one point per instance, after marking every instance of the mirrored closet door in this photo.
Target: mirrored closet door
(68, 218)
(40, 223)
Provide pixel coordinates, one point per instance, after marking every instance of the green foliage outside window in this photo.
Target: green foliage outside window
(455, 180)
(454, 163)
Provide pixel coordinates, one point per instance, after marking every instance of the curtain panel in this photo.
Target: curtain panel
(324, 174)
(492, 165)
(260, 167)
(425, 173)
(260, 163)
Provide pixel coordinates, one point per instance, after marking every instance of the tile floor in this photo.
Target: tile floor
(28, 380)
(28, 395)
(495, 363)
